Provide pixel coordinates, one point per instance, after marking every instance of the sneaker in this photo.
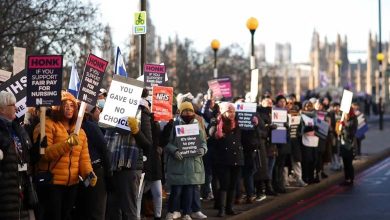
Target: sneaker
(169, 216)
(186, 217)
(260, 198)
(301, 183)
(198, 215)
(176, 215)
(250, 199)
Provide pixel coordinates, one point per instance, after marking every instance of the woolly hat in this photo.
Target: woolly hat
(226, 106)
(66, 96)
(185, 105)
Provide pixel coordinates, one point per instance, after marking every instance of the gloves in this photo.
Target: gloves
(201, 152)
(72, 140)
(133, 124)
(273, 126)
(93, 180)
(178, 155)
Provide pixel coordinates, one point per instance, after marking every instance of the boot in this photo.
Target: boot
(221, 204)
(269, 190)
(229, 203)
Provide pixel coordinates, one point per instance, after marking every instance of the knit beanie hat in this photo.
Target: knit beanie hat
(185, 105)
(226, 106)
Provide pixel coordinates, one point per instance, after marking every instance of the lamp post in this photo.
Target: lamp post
(215, 46)
(252, 24)
(380, 58)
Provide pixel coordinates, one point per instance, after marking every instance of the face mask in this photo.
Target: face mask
(100, 103)
(187, 118)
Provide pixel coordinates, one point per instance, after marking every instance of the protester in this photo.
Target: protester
(335, 115)
(15, 178)
(66, 158)
(359, 139)
(347, 145)
(183, 173)
(91, 202)
(230, 157)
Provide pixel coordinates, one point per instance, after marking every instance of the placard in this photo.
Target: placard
(44, 80)
(92, 79)
(294, 119)
(188, 139)
(221, 87)
(346, 101)
(322, 128)
(17, 85)
(162, 99)
(279, 135)
(154, 75)
(244, 114)
(279, 115)
(122, 102)
(4, 76)
(19, 59)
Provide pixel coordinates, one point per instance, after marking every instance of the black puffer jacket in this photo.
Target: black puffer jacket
(11, 204)
(229, 150)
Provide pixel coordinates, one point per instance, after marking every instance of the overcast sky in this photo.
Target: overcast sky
(280, 21)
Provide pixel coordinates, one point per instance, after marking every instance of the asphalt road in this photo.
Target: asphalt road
(369, 198)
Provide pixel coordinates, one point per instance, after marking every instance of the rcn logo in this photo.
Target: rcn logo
(240, 106)
(162, 96)
(180, 130)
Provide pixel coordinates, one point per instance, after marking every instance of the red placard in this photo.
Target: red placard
(162, 103)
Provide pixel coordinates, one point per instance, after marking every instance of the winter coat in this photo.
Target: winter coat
(229, 149)
(265, 135)
(347, 138)
(65, 163)
(10, 178)
(189, 170)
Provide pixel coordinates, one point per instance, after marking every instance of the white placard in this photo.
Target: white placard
(346, 101)
(187, 130)
(246, 107)
(294, 120)
(4, 76)
(254, 84)
(19, 59)
(307, 120)
(122, 102)
(279, 115)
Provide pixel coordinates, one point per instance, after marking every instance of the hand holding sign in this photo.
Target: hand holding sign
(133, 124)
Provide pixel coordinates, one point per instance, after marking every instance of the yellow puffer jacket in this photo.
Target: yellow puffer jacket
(66, 163)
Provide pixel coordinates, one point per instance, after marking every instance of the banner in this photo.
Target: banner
(244, 114)
(122, 102)
(188, 139)
(162, 103)
(17, 85)
(44, 80)
(154, 75)
(279, 115)
(92, 79)
(221, 87)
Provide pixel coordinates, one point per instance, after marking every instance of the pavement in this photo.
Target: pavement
(375, 147)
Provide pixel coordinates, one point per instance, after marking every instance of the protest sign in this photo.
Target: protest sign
(17, 85)
(244, 114)
(154, 75)
(4, 76)
(307, 120)
(279, 115)
(44, 80)
(188, 139)
(346, 101)
(92, 79)
(162, 103)
(322, 128)
(279, 135)
(122, 102)
(221, 87)
(19, 59)
(362, 126)
(294, 119)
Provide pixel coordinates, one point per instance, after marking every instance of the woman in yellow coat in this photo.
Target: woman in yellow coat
(66, 157)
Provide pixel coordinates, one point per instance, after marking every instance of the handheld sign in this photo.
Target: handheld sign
(17, 85)
(4, 76)
(188, 139)
(279, 115)
(19, 59)
(92, 79)
(154, 75)
(221, 87)
(139, 23)
(122, 102)
(245, 113)
(162, 103)
(44, 80)
(345, 105)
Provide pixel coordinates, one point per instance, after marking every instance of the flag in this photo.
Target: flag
(74, 81)
(120, 68)
(324, 80)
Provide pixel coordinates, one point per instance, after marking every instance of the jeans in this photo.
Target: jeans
(196, 205)
(156, 188)
(271, 164)
(248, 173)
(181, 194)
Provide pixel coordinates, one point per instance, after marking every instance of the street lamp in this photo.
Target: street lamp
(380, 57)
(252, 24)
(337, 73)
(215, 46)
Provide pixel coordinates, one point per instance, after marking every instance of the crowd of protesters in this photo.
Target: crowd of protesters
(106, 172)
